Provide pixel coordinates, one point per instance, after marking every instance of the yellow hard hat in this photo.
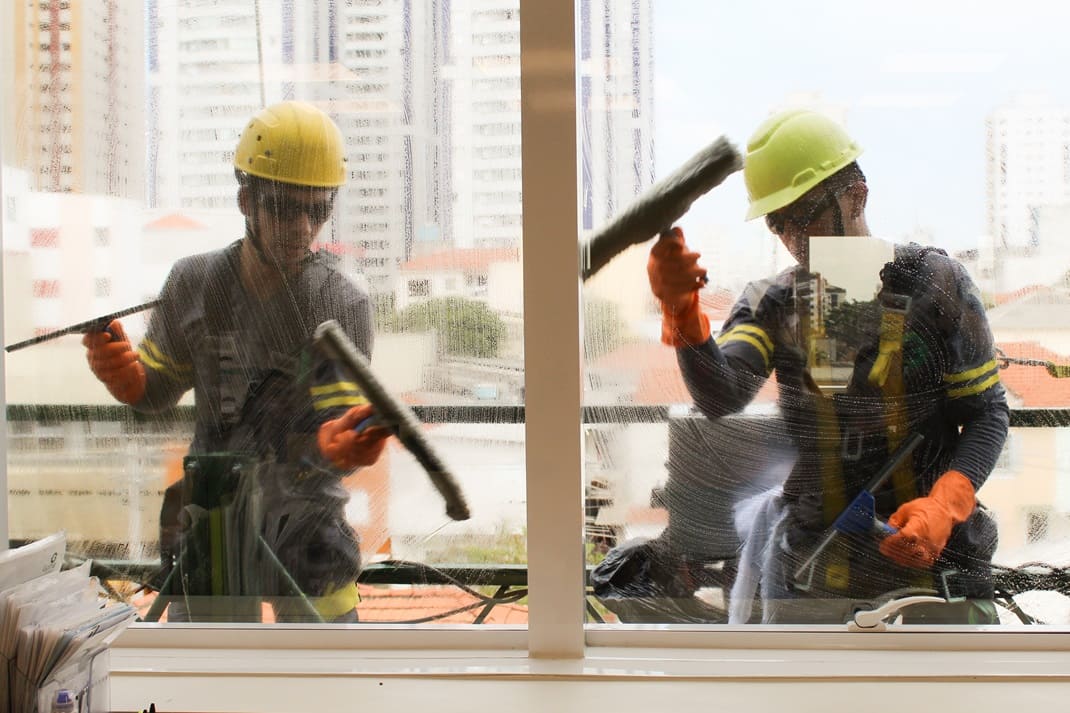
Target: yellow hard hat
(790, 153)
(293, 142)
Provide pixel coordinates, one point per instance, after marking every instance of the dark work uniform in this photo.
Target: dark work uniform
(921, 361)
(260, 394)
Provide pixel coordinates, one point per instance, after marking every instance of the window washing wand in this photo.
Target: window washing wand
(332, 341)
(861, 515)
(655, 211)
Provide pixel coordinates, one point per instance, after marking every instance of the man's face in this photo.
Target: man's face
(288, 219)
(813, 214)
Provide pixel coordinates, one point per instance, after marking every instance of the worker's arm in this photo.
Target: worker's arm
(675, 278)
(114, 362)
(346, 445)
(154, 376)
(166, 350)
(722, 376)
(344, 437)
(976, 398)
(976, 403)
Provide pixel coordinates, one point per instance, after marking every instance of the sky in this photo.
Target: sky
(916, 80)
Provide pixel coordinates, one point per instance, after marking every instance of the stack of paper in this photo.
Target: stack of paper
(53, 627)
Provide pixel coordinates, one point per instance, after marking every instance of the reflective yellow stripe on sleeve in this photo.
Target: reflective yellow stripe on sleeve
(972, 381)
(340, 393)
(752, 335)
(152, 357)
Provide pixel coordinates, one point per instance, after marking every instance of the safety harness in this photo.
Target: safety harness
(901, 280)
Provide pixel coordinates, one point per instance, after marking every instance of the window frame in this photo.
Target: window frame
(554, 450)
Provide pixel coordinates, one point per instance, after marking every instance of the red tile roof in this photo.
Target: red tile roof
(1006, 297)
(1033, 386)
(389, 604)
(175, 221)
(659, 379)
(717, 303)
(401, 604)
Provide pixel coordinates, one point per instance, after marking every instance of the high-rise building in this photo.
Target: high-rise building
(73, 170)
(389, 107)
(371, 64)
(205, 80)
(483, 91)
(615, 111)
(427, 95)
(1028, 167)
(616, 85)
(78, 95)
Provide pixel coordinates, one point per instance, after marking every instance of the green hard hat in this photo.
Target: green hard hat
(790, 153)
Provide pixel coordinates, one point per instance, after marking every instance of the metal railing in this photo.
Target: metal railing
(508, 580)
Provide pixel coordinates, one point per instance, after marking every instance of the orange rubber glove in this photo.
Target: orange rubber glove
(115, 363)
(925, 523)
(348, 449)
(675, 279)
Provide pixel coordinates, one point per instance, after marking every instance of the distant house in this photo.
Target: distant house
(463, 272)
(1029, 490)
(1033, 314)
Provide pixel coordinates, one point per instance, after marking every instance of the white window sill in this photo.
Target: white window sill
(639, 680)
(724, 653)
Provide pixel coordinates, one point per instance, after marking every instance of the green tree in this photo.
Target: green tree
(383, 312)
(851, 322)
(465, 327)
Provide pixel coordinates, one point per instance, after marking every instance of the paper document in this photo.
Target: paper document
(54, 625)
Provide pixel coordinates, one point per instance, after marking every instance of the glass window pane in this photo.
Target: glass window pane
(794, 425)
(148, 155)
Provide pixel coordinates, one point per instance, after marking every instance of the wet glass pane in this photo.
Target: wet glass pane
(843, 381)
(256, 171)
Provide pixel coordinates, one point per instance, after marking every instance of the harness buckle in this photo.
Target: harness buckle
(894, 302)
(852, 445)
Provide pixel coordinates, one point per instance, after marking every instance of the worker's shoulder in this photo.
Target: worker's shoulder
(197, 266)
(325, 272)
(928, 255)
(933, 265)
(775, 288)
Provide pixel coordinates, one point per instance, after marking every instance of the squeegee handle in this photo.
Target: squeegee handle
(97, 324)
(333, 342)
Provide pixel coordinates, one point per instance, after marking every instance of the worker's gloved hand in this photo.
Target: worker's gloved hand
(675, 279)
(115, 363)
(347, 448)
(925, 523)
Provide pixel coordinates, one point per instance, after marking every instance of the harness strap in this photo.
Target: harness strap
(886, 373)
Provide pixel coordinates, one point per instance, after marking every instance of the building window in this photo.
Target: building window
(419, 288)
(1037, 525)
(44, 238)
(46, 288)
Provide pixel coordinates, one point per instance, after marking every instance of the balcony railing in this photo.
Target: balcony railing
(508, 580)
